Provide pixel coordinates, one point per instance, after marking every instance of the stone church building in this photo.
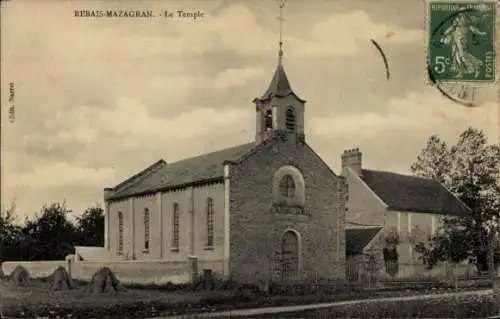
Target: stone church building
(271, 208)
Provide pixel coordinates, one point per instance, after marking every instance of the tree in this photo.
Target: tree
(91, 227)
(50, 236)
(9, 234)
(470, 169)
(433, 161)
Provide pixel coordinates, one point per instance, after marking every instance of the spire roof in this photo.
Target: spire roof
(279, 86)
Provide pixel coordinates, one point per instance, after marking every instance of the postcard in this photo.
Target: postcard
(262, 158)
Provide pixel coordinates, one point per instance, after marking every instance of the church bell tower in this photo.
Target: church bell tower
(279, 111)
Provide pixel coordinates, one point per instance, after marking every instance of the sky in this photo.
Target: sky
(99, 99)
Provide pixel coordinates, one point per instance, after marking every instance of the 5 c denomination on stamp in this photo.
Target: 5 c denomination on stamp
(461, 41)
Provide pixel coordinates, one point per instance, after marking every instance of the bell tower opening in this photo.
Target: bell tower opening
(268, 120)
(290, 119)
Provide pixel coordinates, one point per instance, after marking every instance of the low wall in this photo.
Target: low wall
(356, 266)
(137, 272)
(129, 272)
(36, 269)
(440, 271)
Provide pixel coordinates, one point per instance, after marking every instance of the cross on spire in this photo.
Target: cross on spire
(280, 18)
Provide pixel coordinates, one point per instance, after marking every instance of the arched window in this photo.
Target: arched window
(290, 120)
(289, 191)
(268, 120)
(120, 234)
(175, 227)
(146, 229)
(210, 222)
(287, 186)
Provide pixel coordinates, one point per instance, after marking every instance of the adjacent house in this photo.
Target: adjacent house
(411, 207)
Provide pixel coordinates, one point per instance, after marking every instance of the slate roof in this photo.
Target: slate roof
(279, 86)
(413, 194)
(202, 168)
(357, 238)
(142, 174)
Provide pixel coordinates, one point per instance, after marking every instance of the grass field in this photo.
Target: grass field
(36, 301)
(458, 307)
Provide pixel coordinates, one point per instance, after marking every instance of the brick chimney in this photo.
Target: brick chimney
(352, 159)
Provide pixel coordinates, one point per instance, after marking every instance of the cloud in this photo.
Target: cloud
(236, 77)
(340, 34)
(358, 25)
(416, 113)
(345, 34)
(61, 174)
(131, 119)
(92, 137)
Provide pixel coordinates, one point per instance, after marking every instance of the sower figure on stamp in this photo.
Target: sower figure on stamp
(463, 61)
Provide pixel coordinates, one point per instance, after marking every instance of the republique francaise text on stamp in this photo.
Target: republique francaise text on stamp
(461, 39)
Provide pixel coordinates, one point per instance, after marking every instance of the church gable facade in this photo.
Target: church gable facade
(270, 209)
(284, 218)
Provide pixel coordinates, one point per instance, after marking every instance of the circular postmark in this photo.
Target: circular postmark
(460, 52)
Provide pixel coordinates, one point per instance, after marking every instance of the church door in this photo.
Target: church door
(289, 255)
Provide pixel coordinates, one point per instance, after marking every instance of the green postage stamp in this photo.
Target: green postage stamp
(461, 39)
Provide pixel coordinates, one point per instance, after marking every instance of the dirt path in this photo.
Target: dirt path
(285, 309)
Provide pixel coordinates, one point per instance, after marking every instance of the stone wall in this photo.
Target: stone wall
(256, 231)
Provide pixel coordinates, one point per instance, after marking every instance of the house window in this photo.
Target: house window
(120, 234)
(347, 192)
(175, 228)
(146, 229)
(210, 222)
(290, 120)
(287, 186)
(268, 120)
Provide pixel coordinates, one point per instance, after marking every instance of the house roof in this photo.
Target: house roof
(202, 168)
(358, 238)
(413, 194)
(279, 86)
